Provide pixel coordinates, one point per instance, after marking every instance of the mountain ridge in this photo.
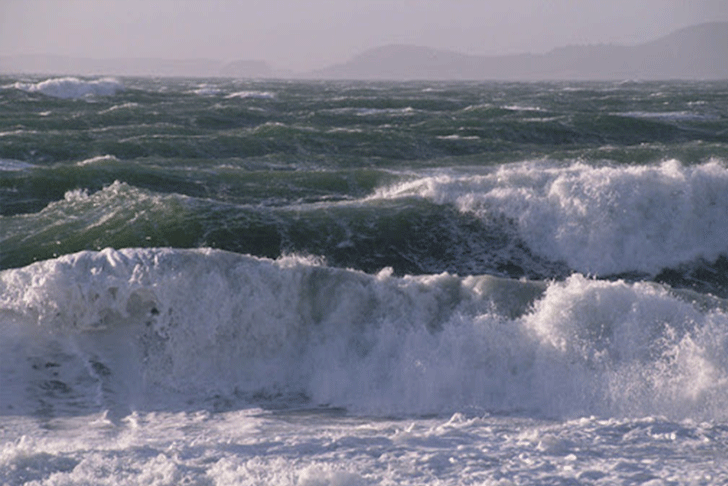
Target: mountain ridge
(698, 52)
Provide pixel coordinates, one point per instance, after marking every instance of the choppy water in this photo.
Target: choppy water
(229, 282)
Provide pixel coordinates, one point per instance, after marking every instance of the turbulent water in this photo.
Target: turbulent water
(218, 282)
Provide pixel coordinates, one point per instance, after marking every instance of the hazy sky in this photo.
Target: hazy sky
(299, 35)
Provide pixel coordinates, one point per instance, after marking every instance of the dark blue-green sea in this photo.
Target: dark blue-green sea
(235, 282)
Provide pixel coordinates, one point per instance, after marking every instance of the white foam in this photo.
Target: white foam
(261, 95)
(10, 133)
(207, 90)
(669, 115)
(633, 349)
(366, 112)
(137, 329)
(458, 137)
(14, 165)
(123, 106)
(480, 107)
(99, 159)
(599, 220)
(318, 449)
(522, 108)
(70, 87)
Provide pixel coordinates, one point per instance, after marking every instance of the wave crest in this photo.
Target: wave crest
(140, 329)
(599, 220)
(71, 88)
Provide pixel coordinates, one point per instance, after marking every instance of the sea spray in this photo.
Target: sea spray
(602, 220)
(71, 87)
(200, 324)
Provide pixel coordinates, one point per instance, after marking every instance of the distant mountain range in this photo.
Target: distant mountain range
(698, 52)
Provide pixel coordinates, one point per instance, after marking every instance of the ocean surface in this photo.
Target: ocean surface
(228, 282)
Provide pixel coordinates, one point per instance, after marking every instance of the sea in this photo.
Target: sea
(336, 283)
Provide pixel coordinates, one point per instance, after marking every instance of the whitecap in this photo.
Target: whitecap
(261, 95)
(123, 106)
(70, 87)
(17, 132)
(598, 220)
(167, 327)
(669, 115)
(14, 165)
(207, 90)
(97, 160)
(522, 108)
(458, 137)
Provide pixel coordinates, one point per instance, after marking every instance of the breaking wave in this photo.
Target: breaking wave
(70, 87)
(599, 220)
(157, 328)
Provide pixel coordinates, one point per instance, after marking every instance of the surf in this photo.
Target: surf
(598, 219)
(72, 87)
(149, 329)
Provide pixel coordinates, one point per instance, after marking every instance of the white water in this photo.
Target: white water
(167, 367)
(70, 87)
(263, 95)
(257, 447)
(14, 165)
(150, 329)
(599, 220)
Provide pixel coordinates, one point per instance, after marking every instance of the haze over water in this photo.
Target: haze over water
(301, 37)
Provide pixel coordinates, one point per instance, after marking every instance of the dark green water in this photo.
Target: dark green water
(317, 168)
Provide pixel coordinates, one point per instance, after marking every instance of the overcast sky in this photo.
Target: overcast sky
(301, 35)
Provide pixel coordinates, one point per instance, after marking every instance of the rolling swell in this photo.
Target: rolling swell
(336, 123)
(600, 220)
(412, 236)
(536, 220)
